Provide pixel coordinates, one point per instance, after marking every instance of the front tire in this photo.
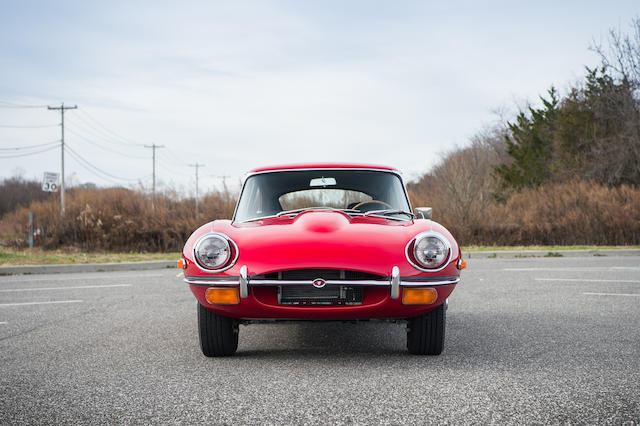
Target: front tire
(218, 334)
(425, 335)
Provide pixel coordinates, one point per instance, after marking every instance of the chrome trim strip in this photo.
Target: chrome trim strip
(395, 282)
(228, 239)
(406, 280)
(423, 235)
(385, 283)
(210, 283)
(402, 219)
(310, 282)
(429, 283)
(244, 282)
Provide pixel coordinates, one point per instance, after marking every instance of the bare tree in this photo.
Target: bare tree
(622, 54)
(616, 157)
(460, 188)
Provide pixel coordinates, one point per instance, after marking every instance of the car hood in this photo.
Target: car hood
(324, 239)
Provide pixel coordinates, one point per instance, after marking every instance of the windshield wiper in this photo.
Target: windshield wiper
(387, 212)
(319, 208)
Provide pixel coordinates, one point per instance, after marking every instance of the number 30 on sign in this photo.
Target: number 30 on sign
(50, 182)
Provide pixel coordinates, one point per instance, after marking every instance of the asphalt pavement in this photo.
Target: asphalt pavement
(529, 340)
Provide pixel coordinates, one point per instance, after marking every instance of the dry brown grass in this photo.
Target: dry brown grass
(118, 219)
(570, 213)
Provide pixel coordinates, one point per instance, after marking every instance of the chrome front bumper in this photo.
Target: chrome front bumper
(394, 282)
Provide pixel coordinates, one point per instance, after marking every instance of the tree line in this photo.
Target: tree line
(555, 172)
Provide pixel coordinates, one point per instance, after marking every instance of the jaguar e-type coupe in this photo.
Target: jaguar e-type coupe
(322, 242)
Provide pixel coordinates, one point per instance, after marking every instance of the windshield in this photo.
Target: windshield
(353, 191)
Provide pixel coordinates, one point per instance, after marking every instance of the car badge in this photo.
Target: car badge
(319, 283)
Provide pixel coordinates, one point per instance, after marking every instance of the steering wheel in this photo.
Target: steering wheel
(364, 203)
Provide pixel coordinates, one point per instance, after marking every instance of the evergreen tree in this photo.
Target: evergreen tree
(530, 145)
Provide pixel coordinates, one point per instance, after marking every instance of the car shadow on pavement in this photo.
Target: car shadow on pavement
(471, 338)
(322, 337)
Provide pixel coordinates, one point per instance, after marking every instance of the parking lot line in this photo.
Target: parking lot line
(102, 276)
(3, 323)
(566, 269)
(41, 303)
(591, 280)
(613, 294)
(63, 288)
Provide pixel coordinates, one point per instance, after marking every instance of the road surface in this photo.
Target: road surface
(533, 340)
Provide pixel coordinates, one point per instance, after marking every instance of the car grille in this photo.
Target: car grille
(329, 295)
(325, 274)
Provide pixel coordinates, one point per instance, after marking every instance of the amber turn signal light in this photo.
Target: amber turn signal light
(222, 295)
(463, 264)
(419, 296)
(182, 264)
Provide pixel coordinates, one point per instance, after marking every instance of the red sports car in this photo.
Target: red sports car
(322, 242)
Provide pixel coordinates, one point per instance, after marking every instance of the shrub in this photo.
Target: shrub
(118, 219)
(570, 213)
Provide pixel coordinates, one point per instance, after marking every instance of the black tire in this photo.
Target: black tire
(425, 335)
(218, 334)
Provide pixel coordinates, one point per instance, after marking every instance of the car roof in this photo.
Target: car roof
(304, 166)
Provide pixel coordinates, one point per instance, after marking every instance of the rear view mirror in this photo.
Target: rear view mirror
(322, 181)
(424, 212)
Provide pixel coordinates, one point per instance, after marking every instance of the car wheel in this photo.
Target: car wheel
(425, 334)
(218, 334)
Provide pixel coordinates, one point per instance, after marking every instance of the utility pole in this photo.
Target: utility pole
(196, 167)
(153, 187)
(224, 182)
(62, 108)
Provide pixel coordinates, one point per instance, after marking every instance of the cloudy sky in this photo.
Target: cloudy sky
(236, 85)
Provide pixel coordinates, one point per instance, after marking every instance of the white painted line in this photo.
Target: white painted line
(613, 294)
(590, 280)
(102, 276)
(41, 303)
(3, 323)
(63, 288)
(578, 269)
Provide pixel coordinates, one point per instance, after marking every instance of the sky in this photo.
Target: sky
(243, 84)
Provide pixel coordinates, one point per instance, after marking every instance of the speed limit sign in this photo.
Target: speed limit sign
(50, 182)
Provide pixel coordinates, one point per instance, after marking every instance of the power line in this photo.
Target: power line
(171, 163)
(10, 126)
(5, 104)
(170, 169)
(85, 126)
(86, 139)
(106, 129)
(92, 171)
(30, 153)
(96, 131)
(178, 155)
(86, 163)
(29, 146)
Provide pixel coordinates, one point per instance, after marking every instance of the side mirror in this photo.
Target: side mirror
(424, 212)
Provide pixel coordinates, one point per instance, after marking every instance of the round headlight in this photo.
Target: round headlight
(430, 251)
(212, 251)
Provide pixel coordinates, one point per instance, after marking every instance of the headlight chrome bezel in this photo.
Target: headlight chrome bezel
(230, 261)
(410, 247)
